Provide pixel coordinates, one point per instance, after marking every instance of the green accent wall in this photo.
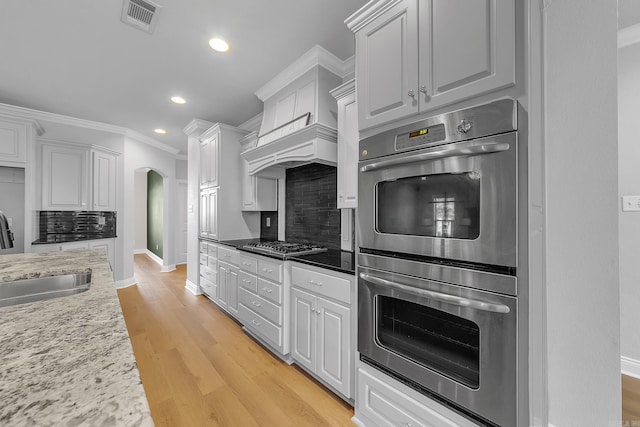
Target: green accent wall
(154, 212)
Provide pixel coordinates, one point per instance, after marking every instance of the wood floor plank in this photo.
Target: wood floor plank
(227, 409)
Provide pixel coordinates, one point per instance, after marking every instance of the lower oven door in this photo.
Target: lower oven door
(452, 342)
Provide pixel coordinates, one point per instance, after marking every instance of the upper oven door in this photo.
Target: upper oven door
(456, 201)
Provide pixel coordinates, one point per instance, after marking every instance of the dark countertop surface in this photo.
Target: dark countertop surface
(332, 259)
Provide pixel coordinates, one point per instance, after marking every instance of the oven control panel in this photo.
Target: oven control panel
(420, 137)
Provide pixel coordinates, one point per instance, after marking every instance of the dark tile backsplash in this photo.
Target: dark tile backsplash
(269, 232)
(61, 226)
(311, 212)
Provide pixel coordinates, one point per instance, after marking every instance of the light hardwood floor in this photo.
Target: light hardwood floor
(199, 369)
(630, 401)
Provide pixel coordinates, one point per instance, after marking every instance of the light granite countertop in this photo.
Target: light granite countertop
(68, 361)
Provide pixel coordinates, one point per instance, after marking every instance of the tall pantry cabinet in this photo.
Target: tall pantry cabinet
(221, 215)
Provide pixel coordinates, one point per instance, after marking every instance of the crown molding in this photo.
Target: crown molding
(368, 13)
(628, 36)
(253, 124)
(316, 56)
(28, 113)
(346, 88)
(196, 125)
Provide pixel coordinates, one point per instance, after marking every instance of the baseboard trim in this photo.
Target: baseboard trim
(630, 367)
(125, 283)
(139, 251)
(167, 268)
(192, 287)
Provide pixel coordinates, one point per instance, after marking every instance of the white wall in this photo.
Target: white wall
(138, 155)
(581, 175)
(629, 184)
(140, 211)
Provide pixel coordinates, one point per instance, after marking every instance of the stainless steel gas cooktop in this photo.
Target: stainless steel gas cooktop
(283, 249)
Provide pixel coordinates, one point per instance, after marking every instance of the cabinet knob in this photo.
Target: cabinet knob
(411, 93)
(423, 89)
(464, 126)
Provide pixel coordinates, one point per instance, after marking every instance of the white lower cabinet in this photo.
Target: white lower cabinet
(228, 287)
(208, 280)
(109, 247)
(107, 244)
(322, 329)
(263, 301)
(382, 401)
(219, 275)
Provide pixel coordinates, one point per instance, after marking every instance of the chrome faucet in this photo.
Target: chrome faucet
(6, 236)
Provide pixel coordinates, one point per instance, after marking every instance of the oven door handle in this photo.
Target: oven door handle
(464, 149)
(439, 296)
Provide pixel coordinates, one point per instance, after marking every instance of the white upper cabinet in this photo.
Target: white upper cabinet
(105, 167)
(64, 178)
(209, 159)
(13, 141)
(347, 145)
(77, 178)
(415, 56)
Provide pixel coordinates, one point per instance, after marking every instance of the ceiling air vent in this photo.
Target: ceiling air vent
(140, 14)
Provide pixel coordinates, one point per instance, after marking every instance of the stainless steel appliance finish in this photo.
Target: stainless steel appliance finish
(445, 187)
(6, 236)
(43, 288)
(458, 343)
(283, 249)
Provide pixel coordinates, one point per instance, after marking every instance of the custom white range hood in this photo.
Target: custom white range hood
(299, 119)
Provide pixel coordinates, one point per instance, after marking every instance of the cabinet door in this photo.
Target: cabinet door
(223, 282)
(204, 214)
(104, 181)
(232, 290)
(387, 66)
(205, 154)
(303, 328)
(213, 214)
(334, 357)
(214, 160)
(348, 139)
(474, 56)
(64, 178)
(13, 142)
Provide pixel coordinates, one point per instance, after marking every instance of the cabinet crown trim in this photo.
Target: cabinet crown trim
(368, 13)
(221, 127)
(196, 125)
(345, 89)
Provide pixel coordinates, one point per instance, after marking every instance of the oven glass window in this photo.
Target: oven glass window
(440, 341)
(441, 205)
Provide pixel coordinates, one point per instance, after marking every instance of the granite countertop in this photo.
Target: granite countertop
(332, 259)
(68, 361)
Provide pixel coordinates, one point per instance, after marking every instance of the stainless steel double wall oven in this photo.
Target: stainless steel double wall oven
(438, 227)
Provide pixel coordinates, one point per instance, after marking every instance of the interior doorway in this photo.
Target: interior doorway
(149, 214)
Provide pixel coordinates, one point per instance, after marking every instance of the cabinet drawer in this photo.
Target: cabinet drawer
(260, 325)
(386, 405)
(228, 255)
(208, 288)
(248, 281)
(337, 288)
(212, 263)
(261, 306)
(209, 273)
(212, 250)
(270, 270)
(204, 259)
(204, 247)
(249, 264)
(269, 290)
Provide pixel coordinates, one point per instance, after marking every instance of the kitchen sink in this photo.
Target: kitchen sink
(43, 288)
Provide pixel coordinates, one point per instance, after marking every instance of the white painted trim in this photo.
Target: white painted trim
(139, 251)
(192, 287)
(368, 13)
(253, 124)
(125, 283)
(345, 89)
(357, 422)
(628, 36)
(630, 366)
(153, 256)
(196, 124)
(316, 56)
(167, 268)
(27, 113)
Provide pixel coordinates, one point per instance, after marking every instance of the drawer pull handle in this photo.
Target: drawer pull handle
(313, 282)
(267, 290)
(267, 270)
(257, 304)
(256, 323)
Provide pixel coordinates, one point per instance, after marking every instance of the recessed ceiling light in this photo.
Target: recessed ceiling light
(160, 131)
(219, 45)
(178, 100)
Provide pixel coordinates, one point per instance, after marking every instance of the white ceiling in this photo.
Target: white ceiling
(76, 58)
